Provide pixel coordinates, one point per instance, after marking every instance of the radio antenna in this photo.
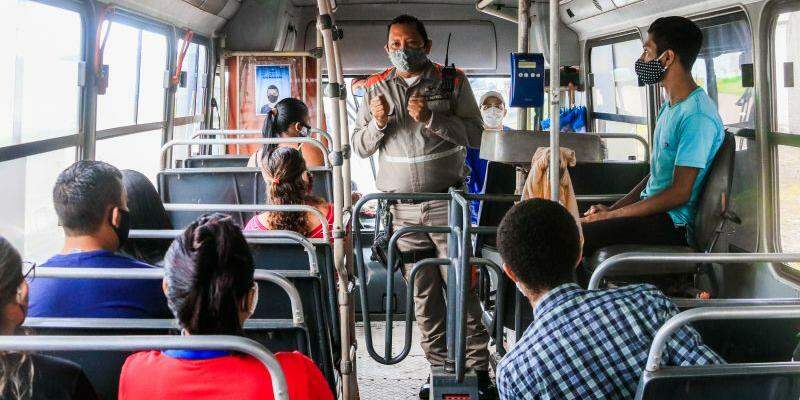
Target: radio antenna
(447, 51)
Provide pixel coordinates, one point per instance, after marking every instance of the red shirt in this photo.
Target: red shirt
(151, 375)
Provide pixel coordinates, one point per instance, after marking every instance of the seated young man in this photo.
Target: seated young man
(90, 202)
(582, 344)
(688, 133)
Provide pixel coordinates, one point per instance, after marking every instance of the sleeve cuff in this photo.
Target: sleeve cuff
(375, 126)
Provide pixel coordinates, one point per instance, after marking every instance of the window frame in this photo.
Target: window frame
(26, 149)
(773, 137)
(141, 23)
(593, 116)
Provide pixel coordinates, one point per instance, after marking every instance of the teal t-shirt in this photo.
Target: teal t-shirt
(688, 134)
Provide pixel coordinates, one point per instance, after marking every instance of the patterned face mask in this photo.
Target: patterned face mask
(493, 117)
(650, 72)
(408, 60)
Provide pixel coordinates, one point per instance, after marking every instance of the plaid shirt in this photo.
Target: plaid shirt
(593, 344)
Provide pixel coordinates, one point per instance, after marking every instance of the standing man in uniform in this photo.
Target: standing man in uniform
(422, 131)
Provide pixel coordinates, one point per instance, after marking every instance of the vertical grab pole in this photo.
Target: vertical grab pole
(523, 39)
(345, 132)
(332, 92)
(555, 152)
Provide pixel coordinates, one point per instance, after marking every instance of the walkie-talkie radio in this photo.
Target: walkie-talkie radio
(449, 70)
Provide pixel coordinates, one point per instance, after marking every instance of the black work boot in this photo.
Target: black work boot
(425, 389)
(486, 388)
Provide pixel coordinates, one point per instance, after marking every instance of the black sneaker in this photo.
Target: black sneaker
(425, 390)
(486, 388)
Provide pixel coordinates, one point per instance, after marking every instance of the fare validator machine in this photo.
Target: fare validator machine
(527, 80)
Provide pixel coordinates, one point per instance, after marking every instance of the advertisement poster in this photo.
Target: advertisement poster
(273, 83)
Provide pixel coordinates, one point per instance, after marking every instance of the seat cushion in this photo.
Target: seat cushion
(633, 268)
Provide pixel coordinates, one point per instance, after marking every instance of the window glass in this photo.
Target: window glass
(117, 106)
(789, 197)
(201, 80)
(185, 96)
(727, 45)
(615, 90)
(137, 63)
(146, 159)
(787, 59)
(26, 207)
(38, 71)
(151, 78)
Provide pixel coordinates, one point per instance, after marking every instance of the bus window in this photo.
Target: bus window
(619, 104)
(786, 124)
(189, 100)
(26, 207)
(727, 45)
(39, 57)
(137, 60)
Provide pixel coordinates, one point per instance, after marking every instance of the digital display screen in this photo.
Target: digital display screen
(526, 64)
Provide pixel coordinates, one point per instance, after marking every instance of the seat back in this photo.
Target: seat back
(224, 186)
(103, 367)
(722, 382)
(217, 161)
(715, 194)
(500, 179)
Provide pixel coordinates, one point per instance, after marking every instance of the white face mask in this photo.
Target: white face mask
(493, 117)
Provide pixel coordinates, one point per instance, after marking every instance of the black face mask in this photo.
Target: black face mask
(124, 226)
(272, 98)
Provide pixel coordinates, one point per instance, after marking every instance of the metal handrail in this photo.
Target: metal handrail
(236, 132)
(361, 268)
(610, 135)
(150, 342)
(390, 260)
(158, 273)
(253, 208)
(666, 261)
(499, 301)
(711, 313)
(192, 142)
(255, 237)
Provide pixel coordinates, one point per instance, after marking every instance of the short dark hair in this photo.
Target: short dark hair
(540, 243)
(82, 194)
(678, 34)
(409, 20)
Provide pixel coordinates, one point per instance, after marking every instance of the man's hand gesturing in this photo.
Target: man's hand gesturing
(379, 108)
(418, 109)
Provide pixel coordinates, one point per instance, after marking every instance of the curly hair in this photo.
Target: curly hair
(284, 172)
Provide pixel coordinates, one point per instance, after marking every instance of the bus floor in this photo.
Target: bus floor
(389, 382)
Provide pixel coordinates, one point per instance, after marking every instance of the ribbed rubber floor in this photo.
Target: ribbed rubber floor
(389, 382)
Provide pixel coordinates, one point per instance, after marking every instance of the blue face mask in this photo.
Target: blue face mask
(408, 60)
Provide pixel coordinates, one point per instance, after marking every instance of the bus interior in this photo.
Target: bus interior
(178, 90)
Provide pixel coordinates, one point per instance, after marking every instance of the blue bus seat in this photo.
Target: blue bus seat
(103, 367)
(216, 161)
(224, 186)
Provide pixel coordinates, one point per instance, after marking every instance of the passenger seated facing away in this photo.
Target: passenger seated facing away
(146, 211)
(209, 285)
(91, 205)
(26, 375)
(289, 182)
(661, 209)
(582, 344)
(289, 119)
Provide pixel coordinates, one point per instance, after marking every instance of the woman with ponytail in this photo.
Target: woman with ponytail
(289, 183)
(24, 375)
(208, 281)
(289, 119)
